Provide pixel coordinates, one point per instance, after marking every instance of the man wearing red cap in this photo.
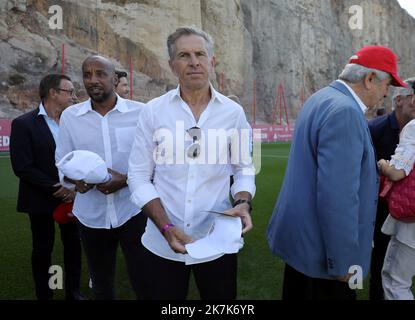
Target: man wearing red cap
(322, 225)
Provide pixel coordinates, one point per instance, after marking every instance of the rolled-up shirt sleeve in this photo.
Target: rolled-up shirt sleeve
(241, 158)
(141, 163)
(404, 157)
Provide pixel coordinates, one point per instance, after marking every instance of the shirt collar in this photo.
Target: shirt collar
(355, 96)
(215, 94)
(86, 106)
(42, 110)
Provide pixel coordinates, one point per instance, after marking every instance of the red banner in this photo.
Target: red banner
(5, 127)
(272, 133)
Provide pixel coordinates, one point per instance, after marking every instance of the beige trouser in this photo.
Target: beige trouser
(398, 270)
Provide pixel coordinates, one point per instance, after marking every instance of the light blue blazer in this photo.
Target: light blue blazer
(324, 217)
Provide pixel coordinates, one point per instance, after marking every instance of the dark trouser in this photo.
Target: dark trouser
(298, 286)
(380, 242)
(100, 247)
(169, 280)
(43, 238)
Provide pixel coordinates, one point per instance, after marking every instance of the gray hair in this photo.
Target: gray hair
(187, 31)
(401, 91)
(354, 73)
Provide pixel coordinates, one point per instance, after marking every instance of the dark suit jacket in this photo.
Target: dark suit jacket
(32, 154)
(385, 135)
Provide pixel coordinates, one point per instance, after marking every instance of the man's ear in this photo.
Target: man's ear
(52, 93)
(369, 80)
(213, 62)
(115, 80)
(398, 101)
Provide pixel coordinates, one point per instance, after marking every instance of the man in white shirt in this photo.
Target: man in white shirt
(105, 125)
(178, 172)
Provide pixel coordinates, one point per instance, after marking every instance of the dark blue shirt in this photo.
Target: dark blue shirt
(385, 135)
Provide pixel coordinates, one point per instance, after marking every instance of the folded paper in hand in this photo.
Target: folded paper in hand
(84, 165)
(225, 237)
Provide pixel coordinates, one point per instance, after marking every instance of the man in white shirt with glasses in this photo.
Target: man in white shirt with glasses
(187, 144)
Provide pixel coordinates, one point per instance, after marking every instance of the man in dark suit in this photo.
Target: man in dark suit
(385, 135)
(32, 154)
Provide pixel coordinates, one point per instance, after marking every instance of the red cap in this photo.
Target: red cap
(63, 213)
(379, 58)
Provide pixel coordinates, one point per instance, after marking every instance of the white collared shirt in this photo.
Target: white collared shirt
(186, 189)
(355, 96)
(52, 125)
(111, 137)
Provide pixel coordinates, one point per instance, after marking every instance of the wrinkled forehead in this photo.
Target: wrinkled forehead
(188, 43)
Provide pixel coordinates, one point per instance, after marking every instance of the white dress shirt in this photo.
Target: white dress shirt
(159, 166)
(111, 137)
(53, 126)
(355, 96)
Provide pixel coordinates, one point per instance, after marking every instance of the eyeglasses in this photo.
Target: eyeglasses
(193, 151)
(71, 92)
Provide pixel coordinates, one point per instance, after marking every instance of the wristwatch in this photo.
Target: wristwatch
(239, 201)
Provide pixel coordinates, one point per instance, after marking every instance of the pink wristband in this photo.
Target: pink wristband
(166, 227)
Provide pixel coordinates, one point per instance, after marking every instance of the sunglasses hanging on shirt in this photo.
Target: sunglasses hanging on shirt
(193, 151)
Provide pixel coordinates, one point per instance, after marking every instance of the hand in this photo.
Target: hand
(242, 211)
(81, 186)
(345, 278)
(64, 194)
(177, 239)
(117, 182)
(382, 165)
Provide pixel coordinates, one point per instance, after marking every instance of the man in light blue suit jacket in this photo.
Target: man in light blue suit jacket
(322, 225)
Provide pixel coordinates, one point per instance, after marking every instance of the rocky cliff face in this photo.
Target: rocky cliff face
(299, 43)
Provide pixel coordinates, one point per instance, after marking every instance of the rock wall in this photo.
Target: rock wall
(300, 44)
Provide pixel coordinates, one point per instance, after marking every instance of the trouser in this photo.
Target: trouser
(398, 270)
(298, 286)
(169, 280)
(100, 247)
(43, 238)
(380, 241)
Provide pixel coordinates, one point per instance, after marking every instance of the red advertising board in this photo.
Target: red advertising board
(5, 127)
(272, 133)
